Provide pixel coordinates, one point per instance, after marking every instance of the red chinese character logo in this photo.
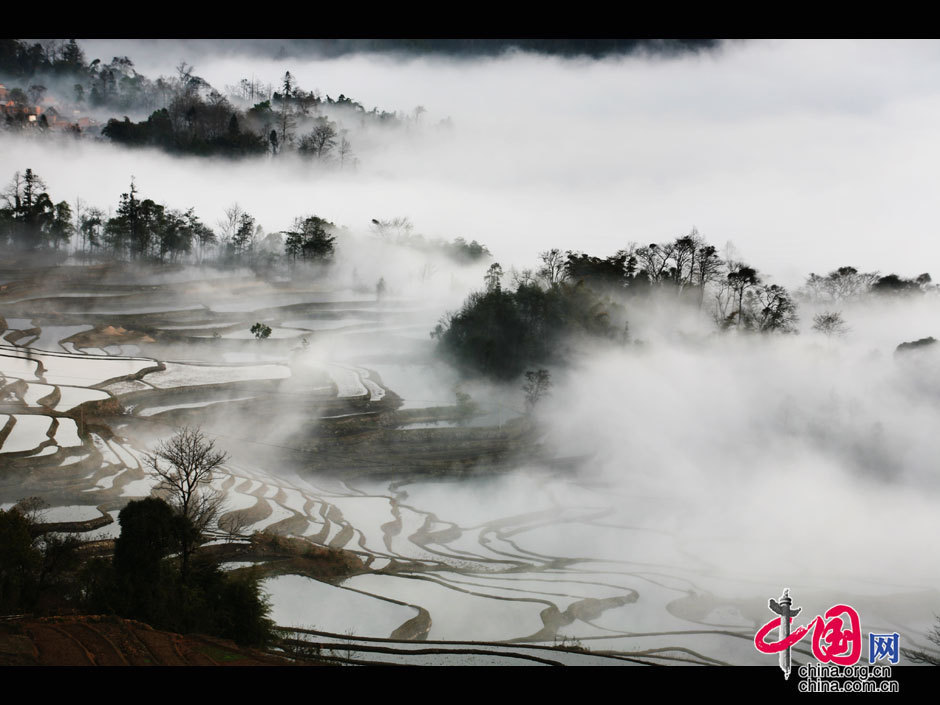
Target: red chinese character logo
(836, 639)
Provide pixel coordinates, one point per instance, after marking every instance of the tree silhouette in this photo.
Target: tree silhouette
(776, 310)
(186, 464)
(552, 270)
(927, 657)
(492, 277)
(261, 331)
(321, 140)
(310, 239)
(830, 323)
(537, 385)
(741, 279)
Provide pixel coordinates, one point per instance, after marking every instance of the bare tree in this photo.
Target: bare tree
(397, 229)
(186, 464)
(923, 656)
(184, 78)
(526, 277)
(345, 150)
(239, 232)
(842, 284)
(830, 323)
(774, 310)
(33, 509)
(553, 266)
(656, 260)
(229, 224)
(233, 525)
(321, 140)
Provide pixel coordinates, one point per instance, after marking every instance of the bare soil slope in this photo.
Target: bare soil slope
(112, 641)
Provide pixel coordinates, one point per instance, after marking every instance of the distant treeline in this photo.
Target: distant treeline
(145, 230)
(186, 114)
(21, 60)
(501, 331)
(202, 122)
(400, 231)
(468, 47)
(595, 48)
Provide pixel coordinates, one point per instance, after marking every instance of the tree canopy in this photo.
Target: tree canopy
(499, 332)
(28, 217)
(310, 240)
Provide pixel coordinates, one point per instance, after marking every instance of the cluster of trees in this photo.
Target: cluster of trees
(195, 119)
(22, 60)
(190, 125)
(688, 268)
(115, 84)
(289, 119)
(179, 594)
(142, 229)
(499, 332)
(37, 570)
(28, 217)
(310, 240)
(400, 230)
(186, 114)
(292, 120)
(847, 284)
(155, 575)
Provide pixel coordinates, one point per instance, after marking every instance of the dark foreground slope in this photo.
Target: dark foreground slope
(112, 641)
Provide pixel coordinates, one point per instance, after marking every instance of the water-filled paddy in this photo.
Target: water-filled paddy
(28, 433)
(304, 602)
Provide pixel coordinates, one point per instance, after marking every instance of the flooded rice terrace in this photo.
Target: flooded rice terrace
(342, 430)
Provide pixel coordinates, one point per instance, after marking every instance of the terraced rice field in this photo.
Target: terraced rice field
(493, 569)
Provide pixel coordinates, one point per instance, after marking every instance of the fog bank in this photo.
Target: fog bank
(807, 154)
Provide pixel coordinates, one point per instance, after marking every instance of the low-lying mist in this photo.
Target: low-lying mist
(778, 457)
(794, 458)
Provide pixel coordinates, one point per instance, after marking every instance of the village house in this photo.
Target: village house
(34, 114)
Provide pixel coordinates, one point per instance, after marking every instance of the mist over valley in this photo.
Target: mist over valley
(583, 357)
